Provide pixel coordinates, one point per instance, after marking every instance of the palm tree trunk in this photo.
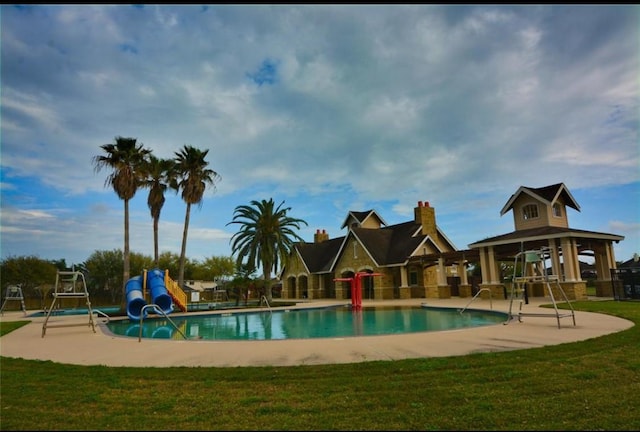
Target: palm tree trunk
(125, 276)
(183, 251)
(266, 273)
(155, 242)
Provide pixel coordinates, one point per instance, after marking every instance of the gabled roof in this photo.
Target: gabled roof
(387, 246)
(631, 263)
(361, 217)
(318, 257)
(543, 233)
(548, 195)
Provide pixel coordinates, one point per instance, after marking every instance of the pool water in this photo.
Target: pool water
(326, 322)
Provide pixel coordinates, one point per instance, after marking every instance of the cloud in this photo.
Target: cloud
(339, 105)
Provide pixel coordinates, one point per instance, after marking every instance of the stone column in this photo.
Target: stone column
(464, 290)
(556, 267)
(484, 267)
(570, 258)
(405, 290)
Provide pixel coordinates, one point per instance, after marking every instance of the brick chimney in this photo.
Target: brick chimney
(426, 216)
(319, 237)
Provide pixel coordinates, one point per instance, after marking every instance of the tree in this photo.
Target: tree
(192, 177)
(105, 273)
(217, 267)
(169, 261)
(266, 236)
(158, 176)
(34, 275)
(125, 158)
(243, 278)
(140, 263)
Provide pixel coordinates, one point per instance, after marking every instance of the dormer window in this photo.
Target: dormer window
(530, 211)
(557, 210)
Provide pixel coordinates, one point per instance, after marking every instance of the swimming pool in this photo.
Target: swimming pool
(310, 323)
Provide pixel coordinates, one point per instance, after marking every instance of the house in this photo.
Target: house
(199, 285)
(632, 263)
(415, 259)
(391, 252)
(626, 280)
(541, 221)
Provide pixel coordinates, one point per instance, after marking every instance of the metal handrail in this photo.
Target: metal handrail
(264, 297)
(99, 312)
(161, 312)
(475, 296)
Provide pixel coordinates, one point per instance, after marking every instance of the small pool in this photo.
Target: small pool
(326, 322)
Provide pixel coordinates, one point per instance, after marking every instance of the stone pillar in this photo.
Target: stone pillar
(570, 258)
(492, 267)
(434, 291)
(556, 267)
(462, 271)
(403, 278)
(573, 291)
(484, 267)
(465, 290)
(405, 290)
(442, 273)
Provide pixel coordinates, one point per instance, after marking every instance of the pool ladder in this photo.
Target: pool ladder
(475, 296)
(99, 312)
(157, 309)
(266, 301)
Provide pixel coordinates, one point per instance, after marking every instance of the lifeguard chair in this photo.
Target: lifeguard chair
(69, 284)
(14, 293)
(533, 270)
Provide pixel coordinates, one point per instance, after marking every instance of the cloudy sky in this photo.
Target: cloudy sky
(330, 108)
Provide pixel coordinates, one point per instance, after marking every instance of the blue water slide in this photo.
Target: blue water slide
(159, 294)
(135, 298)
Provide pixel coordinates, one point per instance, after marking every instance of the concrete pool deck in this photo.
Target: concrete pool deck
(81, 346)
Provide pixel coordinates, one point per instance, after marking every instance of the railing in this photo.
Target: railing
(475, 296)
(266, 302)
(176, 292)
(158, 311)
(99, 312)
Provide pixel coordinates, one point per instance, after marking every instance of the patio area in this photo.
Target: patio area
(79, 345)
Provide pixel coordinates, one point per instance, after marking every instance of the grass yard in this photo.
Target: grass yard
(588, 385)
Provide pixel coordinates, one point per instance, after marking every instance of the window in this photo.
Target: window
(413, 277)
(530, 211)
(557, 210)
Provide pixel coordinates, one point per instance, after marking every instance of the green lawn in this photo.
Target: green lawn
(588, 385)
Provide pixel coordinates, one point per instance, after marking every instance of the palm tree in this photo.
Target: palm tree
(124, 158)
(192, 177)
(159, 175)
(266, 236)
